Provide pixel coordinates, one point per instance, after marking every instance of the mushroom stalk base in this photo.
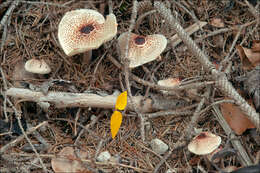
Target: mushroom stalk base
(87, 57)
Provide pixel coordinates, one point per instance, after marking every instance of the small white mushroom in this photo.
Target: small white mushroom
(169, 82)
(37, 66)
(170, 171)
(159, 146)
(142, 49)
(104, 156)
(204, 143)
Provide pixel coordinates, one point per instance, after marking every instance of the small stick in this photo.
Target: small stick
(18, 117)
(5, 98)
(85, 129)
(231, 48)
(38, 136)
(216, 103)
(168, 113)
(242, 156)
(8, 13)
(140, 18)
(127, 70)
(175, 39)
(20, 138)
(253, 11)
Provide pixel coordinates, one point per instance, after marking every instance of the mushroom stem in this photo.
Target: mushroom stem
(207, 162)
(87, 57)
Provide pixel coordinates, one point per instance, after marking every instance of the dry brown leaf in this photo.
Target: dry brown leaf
(217, 22)
(235, 118)
(249, 58)
(256, 46)
(253, 57)
(246, 64)
(67, 161)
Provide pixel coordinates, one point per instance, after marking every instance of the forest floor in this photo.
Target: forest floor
(29, 30)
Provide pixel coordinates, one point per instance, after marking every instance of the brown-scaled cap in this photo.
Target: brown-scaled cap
(204, 143)
(142, 49)
(85, 29)
(37, 66)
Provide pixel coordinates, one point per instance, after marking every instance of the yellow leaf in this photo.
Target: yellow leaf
(121, 101)
(115, 123)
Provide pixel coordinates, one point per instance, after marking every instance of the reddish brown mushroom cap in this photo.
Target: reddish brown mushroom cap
(204, 143)
(142, 49)
(84, 29)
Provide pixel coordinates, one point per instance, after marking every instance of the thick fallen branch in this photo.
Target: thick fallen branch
(66, 99)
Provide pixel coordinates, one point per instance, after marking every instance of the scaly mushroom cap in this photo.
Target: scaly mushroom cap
(204, 143)
(142, 49)
(84, 29)
(37, 66)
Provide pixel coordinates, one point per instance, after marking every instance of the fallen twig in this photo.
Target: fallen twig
(66, 99)
(126, 69)
(242, 156)
(8, 13)
(20, 138)
(175, 39)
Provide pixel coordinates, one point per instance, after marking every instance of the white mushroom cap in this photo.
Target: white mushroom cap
(169, 82)
(37, 66)
(142, 49)
(204, 143)
(84, 29)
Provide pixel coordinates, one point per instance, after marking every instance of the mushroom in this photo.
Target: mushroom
(37, 66)
(142, 49)
(204, 144)
(169, 82)
(82, 30)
